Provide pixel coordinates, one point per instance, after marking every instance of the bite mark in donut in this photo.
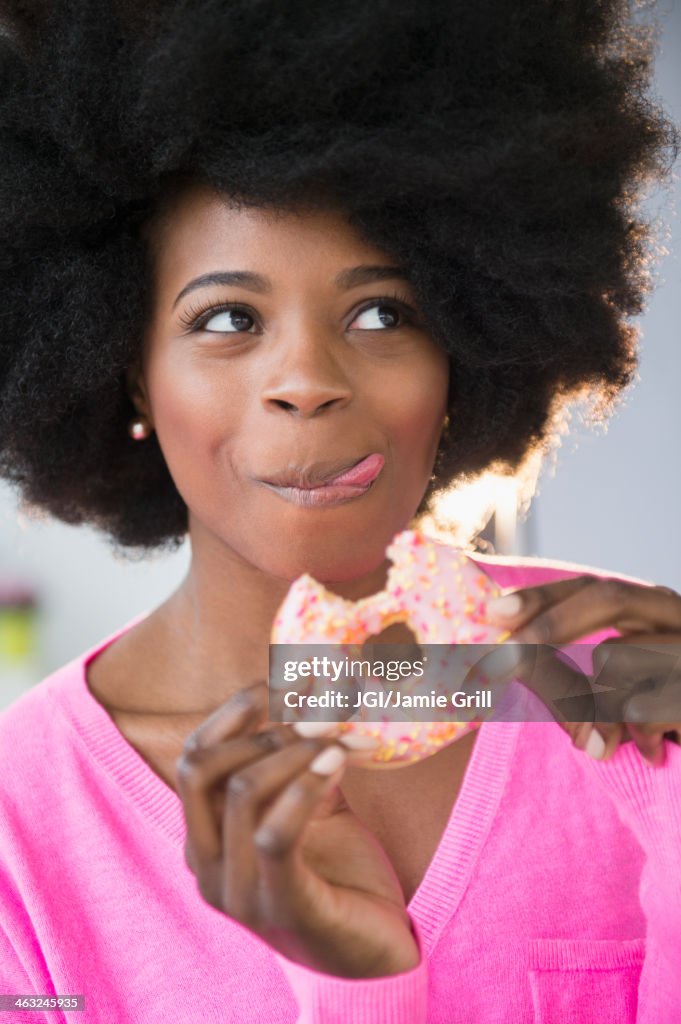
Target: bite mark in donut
(437, 591)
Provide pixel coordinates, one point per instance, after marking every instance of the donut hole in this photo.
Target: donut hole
(399, 638)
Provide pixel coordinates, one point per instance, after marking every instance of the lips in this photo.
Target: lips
(354, 472)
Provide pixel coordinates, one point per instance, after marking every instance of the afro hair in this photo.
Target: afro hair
(497, 150)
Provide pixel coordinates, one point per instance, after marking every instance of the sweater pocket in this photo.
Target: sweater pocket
(585, 981)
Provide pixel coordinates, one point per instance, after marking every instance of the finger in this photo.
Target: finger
(492, 671)
(592, 605)
(618, 673)
(642, 675)
(621, 666)
(245, 710)
(565, 691)
(645, 713)
(559, 683)
(199, 772)
(598, 740)
(520, 606)
(283, 825)
(249, 790)
(650, 743)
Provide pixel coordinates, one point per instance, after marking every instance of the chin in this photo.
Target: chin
(330, 557)
(341, 566)
(330, 547)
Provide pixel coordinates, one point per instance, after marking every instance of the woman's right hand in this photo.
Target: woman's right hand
(273, 845)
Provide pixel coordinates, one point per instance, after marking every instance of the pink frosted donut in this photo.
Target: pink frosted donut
(437, 591)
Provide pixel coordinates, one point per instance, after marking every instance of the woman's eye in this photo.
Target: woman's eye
(229, 321)
(377, 317)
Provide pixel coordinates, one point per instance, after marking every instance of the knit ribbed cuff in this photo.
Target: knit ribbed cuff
(326, 999)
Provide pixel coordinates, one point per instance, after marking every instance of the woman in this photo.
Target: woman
(246, 247)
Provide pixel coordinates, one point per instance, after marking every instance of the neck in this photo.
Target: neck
(212, 634)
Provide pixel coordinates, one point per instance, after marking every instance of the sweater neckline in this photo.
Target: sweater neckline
(153, 797)
(444, 883)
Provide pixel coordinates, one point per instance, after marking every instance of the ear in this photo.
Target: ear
(137, 390)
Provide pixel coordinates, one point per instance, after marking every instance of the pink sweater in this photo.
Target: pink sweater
(554, 895)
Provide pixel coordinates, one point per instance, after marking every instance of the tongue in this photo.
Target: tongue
(363, 473)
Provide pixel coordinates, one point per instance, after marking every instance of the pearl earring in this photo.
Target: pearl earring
(139, 428)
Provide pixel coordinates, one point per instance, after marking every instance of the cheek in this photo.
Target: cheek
(192, 412)
(419, 406)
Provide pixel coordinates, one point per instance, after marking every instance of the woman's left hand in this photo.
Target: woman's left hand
(641, 667)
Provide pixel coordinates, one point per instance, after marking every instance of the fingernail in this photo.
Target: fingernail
(354, 741)
(328, 761)
(505, 607)
(310, 730)
(595, 745)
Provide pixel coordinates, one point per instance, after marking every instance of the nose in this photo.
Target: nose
(308, 379)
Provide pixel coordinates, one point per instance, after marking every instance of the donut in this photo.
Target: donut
(438, 592)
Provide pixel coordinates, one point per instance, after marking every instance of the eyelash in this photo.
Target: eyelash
(195, 317)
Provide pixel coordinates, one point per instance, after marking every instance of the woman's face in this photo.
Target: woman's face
(283, 345)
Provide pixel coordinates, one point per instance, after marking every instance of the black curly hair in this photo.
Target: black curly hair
(498, 150)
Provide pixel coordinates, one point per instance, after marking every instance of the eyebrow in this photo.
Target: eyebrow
(254, 282)
(345, 279)
(365, 274)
